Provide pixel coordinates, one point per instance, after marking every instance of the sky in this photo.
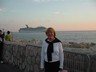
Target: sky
(60, 14)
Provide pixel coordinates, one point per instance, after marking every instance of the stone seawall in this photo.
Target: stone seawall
(27, 57)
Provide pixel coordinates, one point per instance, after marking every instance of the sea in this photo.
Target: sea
(64, 36)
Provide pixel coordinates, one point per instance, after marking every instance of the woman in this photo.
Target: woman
(52, 55)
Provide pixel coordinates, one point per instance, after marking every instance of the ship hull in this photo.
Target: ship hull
(29, 30)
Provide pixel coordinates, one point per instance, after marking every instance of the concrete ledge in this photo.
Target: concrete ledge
(27, 57)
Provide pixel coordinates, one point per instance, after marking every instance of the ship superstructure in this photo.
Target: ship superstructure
(30, 29)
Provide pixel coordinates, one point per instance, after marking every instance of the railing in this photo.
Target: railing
(76, 62)
(27, 58)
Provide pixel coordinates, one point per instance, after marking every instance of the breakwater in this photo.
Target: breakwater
(27, 57)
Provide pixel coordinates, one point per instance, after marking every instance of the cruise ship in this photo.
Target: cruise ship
(28, 29)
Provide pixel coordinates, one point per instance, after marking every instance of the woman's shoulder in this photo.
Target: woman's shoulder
(57, 40)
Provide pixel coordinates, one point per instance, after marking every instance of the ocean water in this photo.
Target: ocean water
(65, 36)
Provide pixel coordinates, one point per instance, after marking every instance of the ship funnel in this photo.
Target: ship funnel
(27, 26)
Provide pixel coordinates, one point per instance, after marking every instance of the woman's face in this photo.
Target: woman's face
(50, 34)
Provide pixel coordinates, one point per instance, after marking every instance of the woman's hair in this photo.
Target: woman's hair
(50, 29)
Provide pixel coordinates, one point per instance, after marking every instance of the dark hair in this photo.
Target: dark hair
(8, 32)
(0, 30)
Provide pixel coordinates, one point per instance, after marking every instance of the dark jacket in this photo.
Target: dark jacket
(2, 38)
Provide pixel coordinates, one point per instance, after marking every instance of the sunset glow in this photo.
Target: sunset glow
(59, 14)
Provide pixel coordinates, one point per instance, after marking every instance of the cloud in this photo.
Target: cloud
(4, 10)
(46, 0)
(1, 10)
(40, 0)
(56, 13)
(36, 0)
